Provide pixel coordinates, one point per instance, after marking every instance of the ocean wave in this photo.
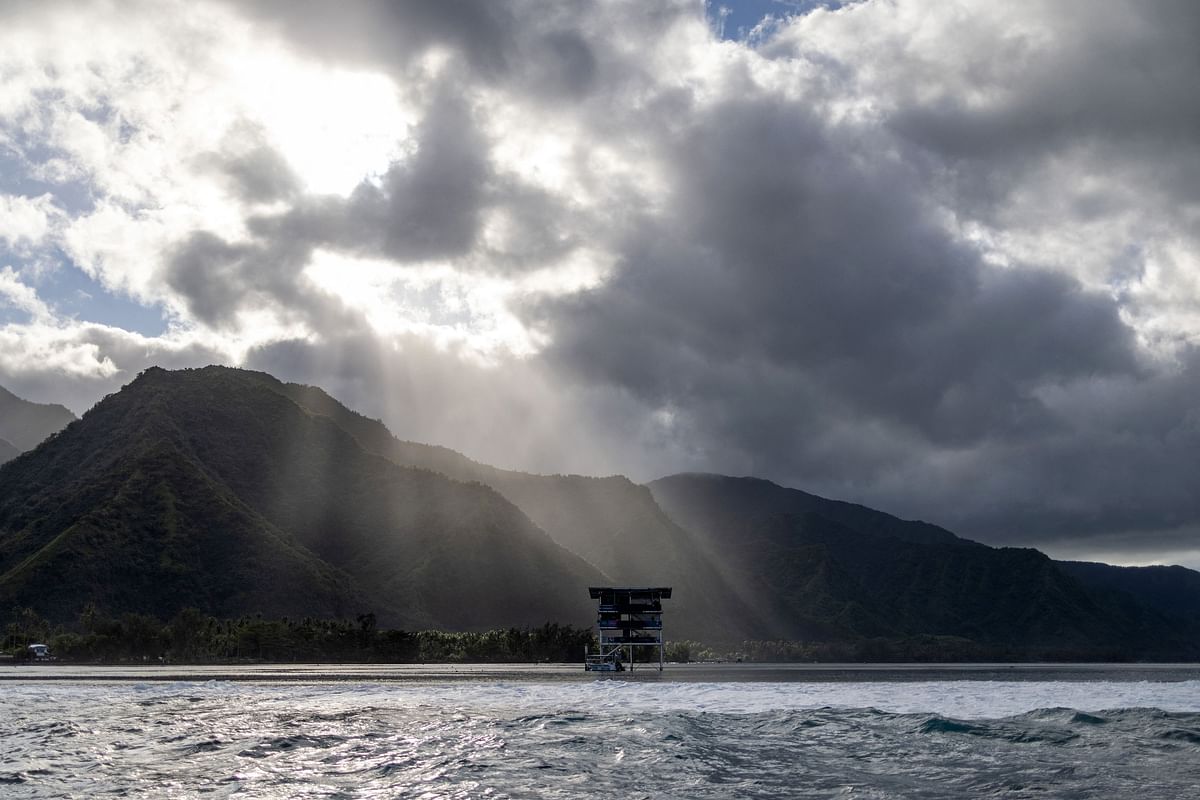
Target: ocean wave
(599, 740)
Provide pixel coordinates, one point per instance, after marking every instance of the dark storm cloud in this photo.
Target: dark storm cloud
(430, 207)
(208, 272)
(256, 175)
(783, 263)
(424, 207)
(217, 279)
(570, 66)
(390, 33)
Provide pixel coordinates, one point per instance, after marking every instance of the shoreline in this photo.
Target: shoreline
(570, 672)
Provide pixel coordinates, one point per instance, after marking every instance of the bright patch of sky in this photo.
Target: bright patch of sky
(335, 127)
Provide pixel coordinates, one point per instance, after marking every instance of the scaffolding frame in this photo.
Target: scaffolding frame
(627, 618)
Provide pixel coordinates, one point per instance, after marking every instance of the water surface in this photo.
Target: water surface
(550, 731)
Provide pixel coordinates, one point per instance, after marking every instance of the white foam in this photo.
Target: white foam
(962, 699)
(967, 699)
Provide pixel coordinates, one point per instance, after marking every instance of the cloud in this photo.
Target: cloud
(378, 32)
(787, 286)
(425, 207)
(77, 363)
(217, 279)
(26, 221)
(16, 294)
(254, 171)
(1055, 132)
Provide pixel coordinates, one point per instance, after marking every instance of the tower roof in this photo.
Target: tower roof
(656, 591)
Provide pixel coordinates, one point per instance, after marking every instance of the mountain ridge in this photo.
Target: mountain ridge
(1173, 590)
(794, 550)
(23, 423)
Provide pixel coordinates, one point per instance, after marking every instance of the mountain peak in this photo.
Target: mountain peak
(191, 467)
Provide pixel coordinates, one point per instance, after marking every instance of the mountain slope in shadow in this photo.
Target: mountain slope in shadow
(206, 488)
(825, 569)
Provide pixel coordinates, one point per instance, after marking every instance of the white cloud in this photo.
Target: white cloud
(45, 347)
(22, 297)
(26, 221)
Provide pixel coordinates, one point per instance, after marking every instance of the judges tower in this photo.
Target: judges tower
(627, 618)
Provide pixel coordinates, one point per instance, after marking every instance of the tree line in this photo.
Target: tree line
(196, 638)
(192, 637)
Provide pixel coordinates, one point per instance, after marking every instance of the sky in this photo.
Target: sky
(939, 258)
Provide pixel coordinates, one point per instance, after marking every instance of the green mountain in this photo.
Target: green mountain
(822, 569)
(23, 424)
(212, 488)
(8, 451)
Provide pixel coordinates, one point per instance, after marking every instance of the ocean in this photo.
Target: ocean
(695, 731)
